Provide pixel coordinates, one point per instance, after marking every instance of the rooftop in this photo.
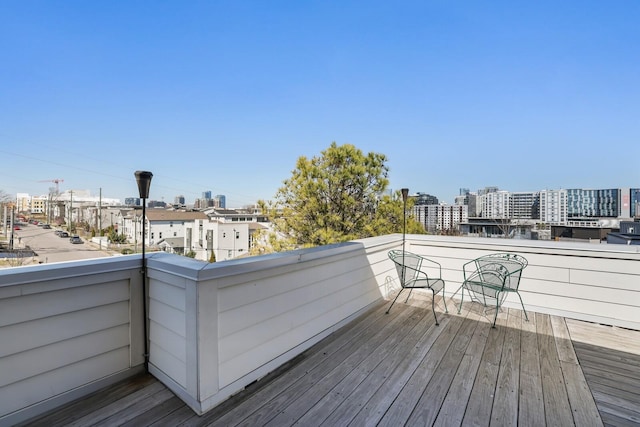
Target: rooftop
(301, 337)
(402, 369)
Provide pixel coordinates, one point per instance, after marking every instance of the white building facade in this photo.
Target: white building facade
(441, 218)
(553, 206)
(225, 240)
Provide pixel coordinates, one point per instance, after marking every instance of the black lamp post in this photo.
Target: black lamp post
(405, 194)
(143, 178)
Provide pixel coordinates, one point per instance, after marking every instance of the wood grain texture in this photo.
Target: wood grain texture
(402, 369)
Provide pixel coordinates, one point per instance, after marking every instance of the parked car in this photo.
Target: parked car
(46, 226)
(63, 234)
(16, 227)
(75, 239)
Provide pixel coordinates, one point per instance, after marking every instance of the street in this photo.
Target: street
(51, 248)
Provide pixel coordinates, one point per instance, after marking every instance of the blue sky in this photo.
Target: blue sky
(226, 95)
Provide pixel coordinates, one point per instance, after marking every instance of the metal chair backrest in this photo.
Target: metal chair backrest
(501, 270)
(407, 264)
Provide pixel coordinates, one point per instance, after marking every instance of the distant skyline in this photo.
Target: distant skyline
(225, 96)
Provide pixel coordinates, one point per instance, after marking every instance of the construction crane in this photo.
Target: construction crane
(56, 181)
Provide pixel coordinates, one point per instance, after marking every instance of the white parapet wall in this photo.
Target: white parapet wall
(67, 329)
(593, 282)
(215, 328)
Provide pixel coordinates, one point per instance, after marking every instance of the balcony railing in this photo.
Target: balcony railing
(67, 329)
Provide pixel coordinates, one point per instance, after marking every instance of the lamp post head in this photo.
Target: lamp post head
(144, 183)
(405, 194)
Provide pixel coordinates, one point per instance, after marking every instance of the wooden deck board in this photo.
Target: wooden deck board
(505, 406)
(480, 403)
(339, 413)
(402, 369)
(556, 400)
(531, 401)
(462, 384)
(404, 404)
(428, 407)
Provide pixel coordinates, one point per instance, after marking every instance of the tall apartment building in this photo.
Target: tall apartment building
(634, 202)
(501, 204)
(221, 201)
(495, 204)
(469, 199)
(425, 199)
(553, 206)
(590, 203)
(440, 218)
(133, 201)
(524, 205)
(39, 204)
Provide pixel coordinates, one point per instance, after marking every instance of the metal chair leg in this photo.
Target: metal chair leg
(433, 306)
(394, 300)
(408, 296)
(461, 298)
(522, 304)
(446, 310)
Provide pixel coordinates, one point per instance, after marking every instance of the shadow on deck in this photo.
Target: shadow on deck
(402, 369)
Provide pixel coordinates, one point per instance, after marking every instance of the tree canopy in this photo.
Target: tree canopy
(335, 197)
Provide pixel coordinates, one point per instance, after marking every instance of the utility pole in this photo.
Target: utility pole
(70, 211)
(100, 214)
(12, 221)
(5, 218)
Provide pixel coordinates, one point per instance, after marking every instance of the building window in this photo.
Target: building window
(160, 235)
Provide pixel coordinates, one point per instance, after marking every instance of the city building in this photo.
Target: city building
(634, 202)
(221, 201)
(225, 240)
(469, 199)
(441, 219)
(161, 224)
(424, 199)
(253, 214)
(133, 201)
(592, 203)
(524, 205)
(553, 206)
(495, 204)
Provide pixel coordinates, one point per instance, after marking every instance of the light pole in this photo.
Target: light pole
(143, 179)
(405, 194)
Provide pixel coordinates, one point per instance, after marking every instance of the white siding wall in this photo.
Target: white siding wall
(598, 283)
(65, 327)
(214, 328)
(245, 318)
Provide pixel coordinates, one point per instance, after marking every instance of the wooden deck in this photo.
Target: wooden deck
(402, 369)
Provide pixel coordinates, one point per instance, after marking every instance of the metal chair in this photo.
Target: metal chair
(413, 273)
(489, 278)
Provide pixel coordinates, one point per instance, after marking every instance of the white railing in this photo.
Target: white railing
(215, 328)
(593, 282)
(67, 328)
